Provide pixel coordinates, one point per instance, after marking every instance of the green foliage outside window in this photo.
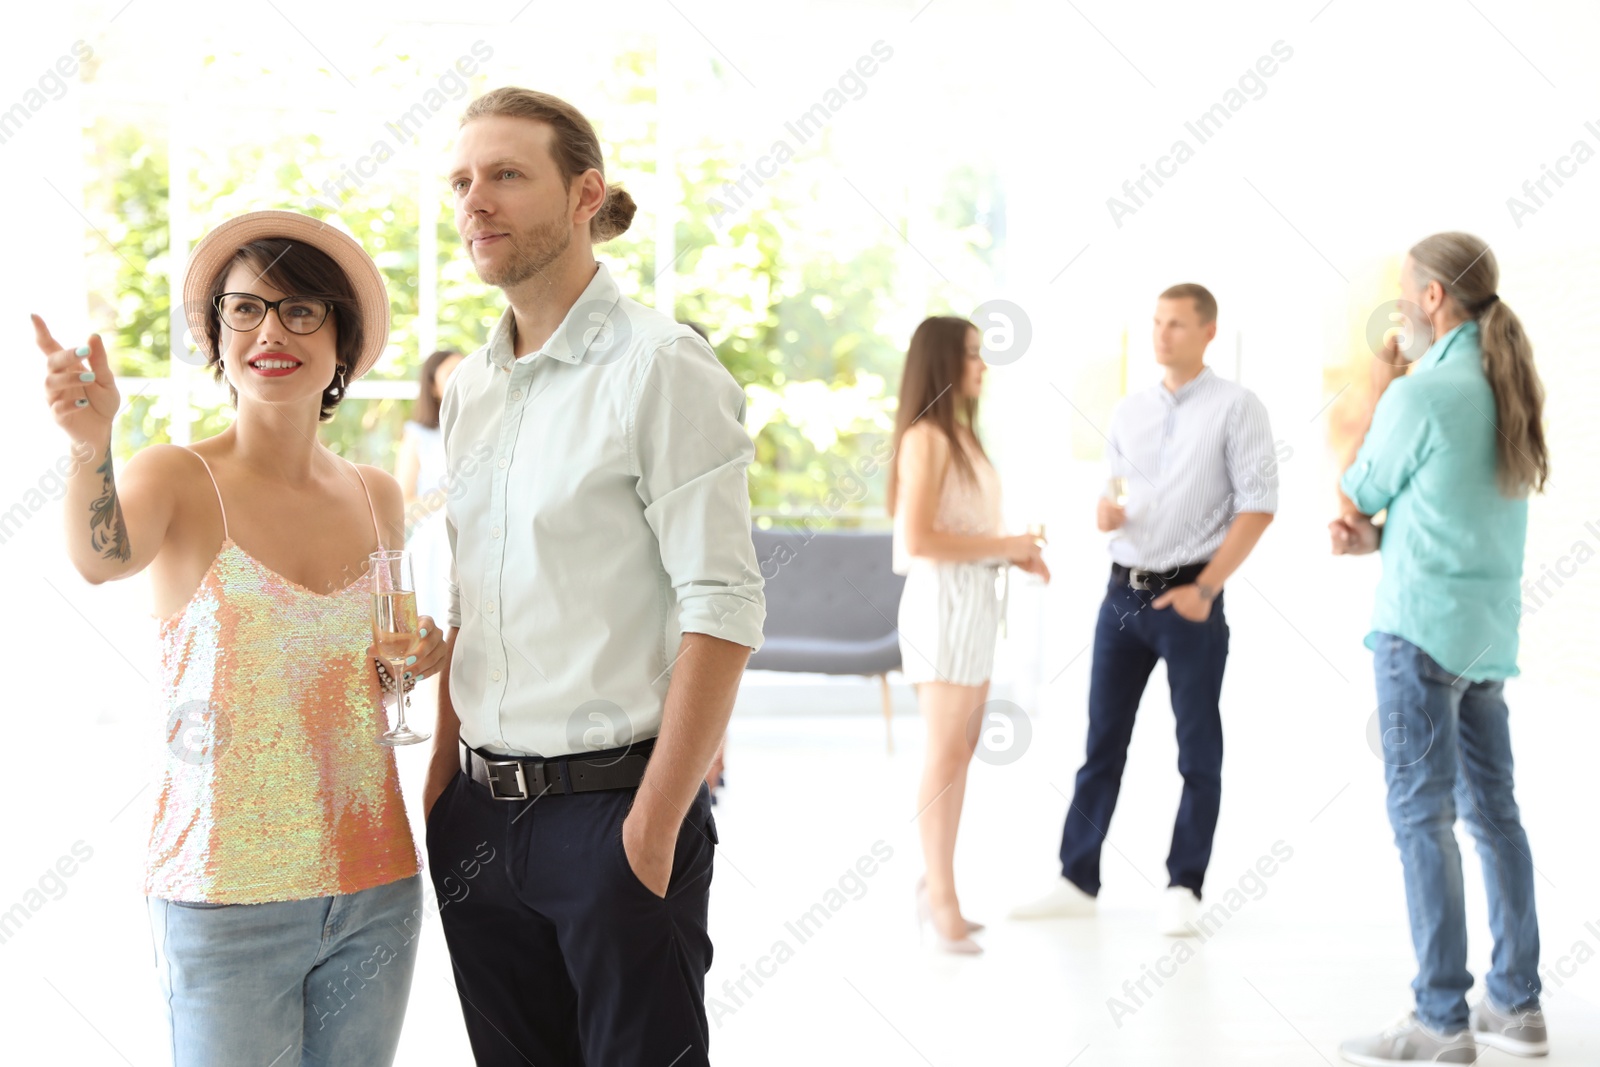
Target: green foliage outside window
(795, 302)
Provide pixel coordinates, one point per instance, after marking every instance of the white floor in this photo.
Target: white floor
(1314, 953)
(1317, 952)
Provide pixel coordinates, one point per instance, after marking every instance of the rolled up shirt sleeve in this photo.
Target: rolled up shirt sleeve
(691, 453)
(1396, 445)
(1251, 457)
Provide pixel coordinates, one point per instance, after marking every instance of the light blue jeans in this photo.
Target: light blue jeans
(299, 983)
(1446, 747)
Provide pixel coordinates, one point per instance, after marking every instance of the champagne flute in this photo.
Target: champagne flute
(1035, 531)
(394, 627)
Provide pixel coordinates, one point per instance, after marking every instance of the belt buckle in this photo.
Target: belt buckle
(1139, 579)
(496, 768)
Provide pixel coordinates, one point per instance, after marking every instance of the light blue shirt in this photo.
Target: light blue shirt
(1194, 459)
(1452, 542)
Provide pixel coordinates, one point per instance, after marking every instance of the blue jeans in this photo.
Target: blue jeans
(314, 982)
(1446, 748)
(1129, 638)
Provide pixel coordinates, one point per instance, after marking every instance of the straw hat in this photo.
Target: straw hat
(212, 255)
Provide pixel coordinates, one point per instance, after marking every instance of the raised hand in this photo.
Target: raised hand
(1109, 515)
(1391, 363)
(82, 395)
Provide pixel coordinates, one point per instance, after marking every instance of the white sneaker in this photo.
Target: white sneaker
(1177, 913)
(1064, 901)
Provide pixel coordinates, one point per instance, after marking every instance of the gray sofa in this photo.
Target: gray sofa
(832, 602)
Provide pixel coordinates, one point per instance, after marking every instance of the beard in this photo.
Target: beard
(531, 253)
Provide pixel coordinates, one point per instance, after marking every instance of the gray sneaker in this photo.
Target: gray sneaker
(1408, 1041)
(1520, 1033)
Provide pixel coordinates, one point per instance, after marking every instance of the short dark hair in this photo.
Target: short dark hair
(1204, 302)
(425, 412)
(295, 269)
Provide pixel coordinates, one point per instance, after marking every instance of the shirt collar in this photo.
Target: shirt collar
(1185, 390)
(567, 343)
(1436, 351)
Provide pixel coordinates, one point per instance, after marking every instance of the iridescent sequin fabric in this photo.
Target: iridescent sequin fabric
(275, 786)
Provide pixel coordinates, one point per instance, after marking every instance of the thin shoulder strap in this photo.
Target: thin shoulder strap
(218, 488)
(370, 509)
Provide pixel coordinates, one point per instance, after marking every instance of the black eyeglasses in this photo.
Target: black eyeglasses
(246, 311)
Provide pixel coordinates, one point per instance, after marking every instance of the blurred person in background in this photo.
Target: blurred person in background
(1193, 459)
(1454, 446)
(421, 472)
(949, 542)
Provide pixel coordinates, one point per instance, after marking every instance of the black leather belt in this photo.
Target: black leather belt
(1155, 581)
(521, 778)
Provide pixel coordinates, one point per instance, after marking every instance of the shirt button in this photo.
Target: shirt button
(503, 462)
(495, 532)
(495, 676)
(489, 607)
(516, 394)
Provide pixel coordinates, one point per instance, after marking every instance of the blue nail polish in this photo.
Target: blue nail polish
(81, 403)
(410, 660)
(423, 632)
(408, 676)
(83, 350)
(86, 376)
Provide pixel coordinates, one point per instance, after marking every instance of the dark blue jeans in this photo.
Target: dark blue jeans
(1128, 640)
(1446, 748)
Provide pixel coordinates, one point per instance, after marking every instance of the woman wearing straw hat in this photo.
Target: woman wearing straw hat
(281, 873)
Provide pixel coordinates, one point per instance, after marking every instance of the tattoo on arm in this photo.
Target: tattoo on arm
(107, 533)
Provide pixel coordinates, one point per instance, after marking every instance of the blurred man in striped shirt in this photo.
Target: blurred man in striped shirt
(1194, 462)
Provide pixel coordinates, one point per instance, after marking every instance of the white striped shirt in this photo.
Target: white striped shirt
(1194, 460)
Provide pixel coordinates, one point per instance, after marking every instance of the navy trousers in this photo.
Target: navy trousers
(562, 957)
(1129, 638)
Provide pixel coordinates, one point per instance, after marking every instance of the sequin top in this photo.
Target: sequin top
(274, 785)
(967, 506)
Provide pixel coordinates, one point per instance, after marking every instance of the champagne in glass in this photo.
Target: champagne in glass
(394, 628)
(1117, 491)
(394, 622)
(1035, 531)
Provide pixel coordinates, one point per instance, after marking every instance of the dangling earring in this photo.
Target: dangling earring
(341, 381)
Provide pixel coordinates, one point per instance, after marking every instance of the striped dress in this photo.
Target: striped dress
(950, 612)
